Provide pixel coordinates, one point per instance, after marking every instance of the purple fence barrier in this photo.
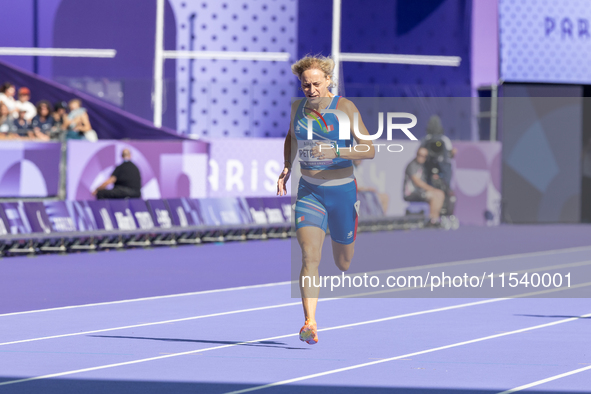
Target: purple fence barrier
(38, 219)
(160, 213)
(223, 211)
(16, 217)
(269, 210)
(141, 214)
(82, 215)
(4, 226)
(183, 212)
(59, 216)
(103, 216)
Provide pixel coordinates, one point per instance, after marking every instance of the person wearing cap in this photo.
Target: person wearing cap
(23, 103)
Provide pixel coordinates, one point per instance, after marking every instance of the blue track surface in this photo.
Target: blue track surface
(217, 341)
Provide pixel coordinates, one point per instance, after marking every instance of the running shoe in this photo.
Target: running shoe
(309, 333)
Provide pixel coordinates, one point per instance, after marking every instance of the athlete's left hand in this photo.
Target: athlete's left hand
(326, 153)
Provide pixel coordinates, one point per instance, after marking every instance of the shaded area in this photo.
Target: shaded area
(66, 386)
(556, 316)
(271, 344)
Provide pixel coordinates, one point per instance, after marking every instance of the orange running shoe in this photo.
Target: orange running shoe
(309, 333)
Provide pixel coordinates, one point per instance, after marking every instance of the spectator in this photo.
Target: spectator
(416, 187)
(43, 123)
(59, 114)
(7, 128)
(7, 91)
(77, 123)
(24, 94)
(21, 124)
(126, 180)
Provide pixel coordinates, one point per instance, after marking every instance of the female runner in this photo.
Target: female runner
(327, 191)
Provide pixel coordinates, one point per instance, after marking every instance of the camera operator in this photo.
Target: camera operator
(441, 151)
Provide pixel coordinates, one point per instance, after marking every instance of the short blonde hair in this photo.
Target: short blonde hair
(319, 62)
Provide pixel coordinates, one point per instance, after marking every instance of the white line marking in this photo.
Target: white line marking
(453, 61)
(539, 382)
(59, 52)
(316, 375)
(532, 294)
(228, 55)
(151, 298)
(262, 308)
(484, 260)
(451, 263)
(247, 342)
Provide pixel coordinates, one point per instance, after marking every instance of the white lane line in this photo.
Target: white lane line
(333, 371)
(262, 308)
(539, 382)
(485, 259)
(532, 294)
(150, 298)
(451, 263)
(247, 342)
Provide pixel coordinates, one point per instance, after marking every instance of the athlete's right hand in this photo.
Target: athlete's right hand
(282, 182)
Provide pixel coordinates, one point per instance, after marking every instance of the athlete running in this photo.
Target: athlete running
(327, 191)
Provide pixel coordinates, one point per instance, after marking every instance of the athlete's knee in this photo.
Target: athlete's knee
(310, 256)
(343, 264)
(343, 260)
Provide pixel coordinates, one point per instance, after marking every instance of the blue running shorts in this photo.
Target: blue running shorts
(335, 207)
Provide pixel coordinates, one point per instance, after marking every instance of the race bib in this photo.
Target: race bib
(305, 151)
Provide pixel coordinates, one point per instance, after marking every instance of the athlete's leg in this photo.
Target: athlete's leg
(311, 223)
(311, 240)
(343, 254)
(342, 220)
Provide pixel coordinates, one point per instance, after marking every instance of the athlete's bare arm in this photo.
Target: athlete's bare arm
(290, 149)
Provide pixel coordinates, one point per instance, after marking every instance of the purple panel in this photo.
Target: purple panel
(38, 219)
(46, 157)
(90, 164)
(123, 215)
(160, 213)
(82, 215)
(222, 211)
(183, 212)
(59, 216)
(245, 167)
(142, 215)
(101, 211)
(17, 218)
(36, 162)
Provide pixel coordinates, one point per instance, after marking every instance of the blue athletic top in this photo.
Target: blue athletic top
(325, 128)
